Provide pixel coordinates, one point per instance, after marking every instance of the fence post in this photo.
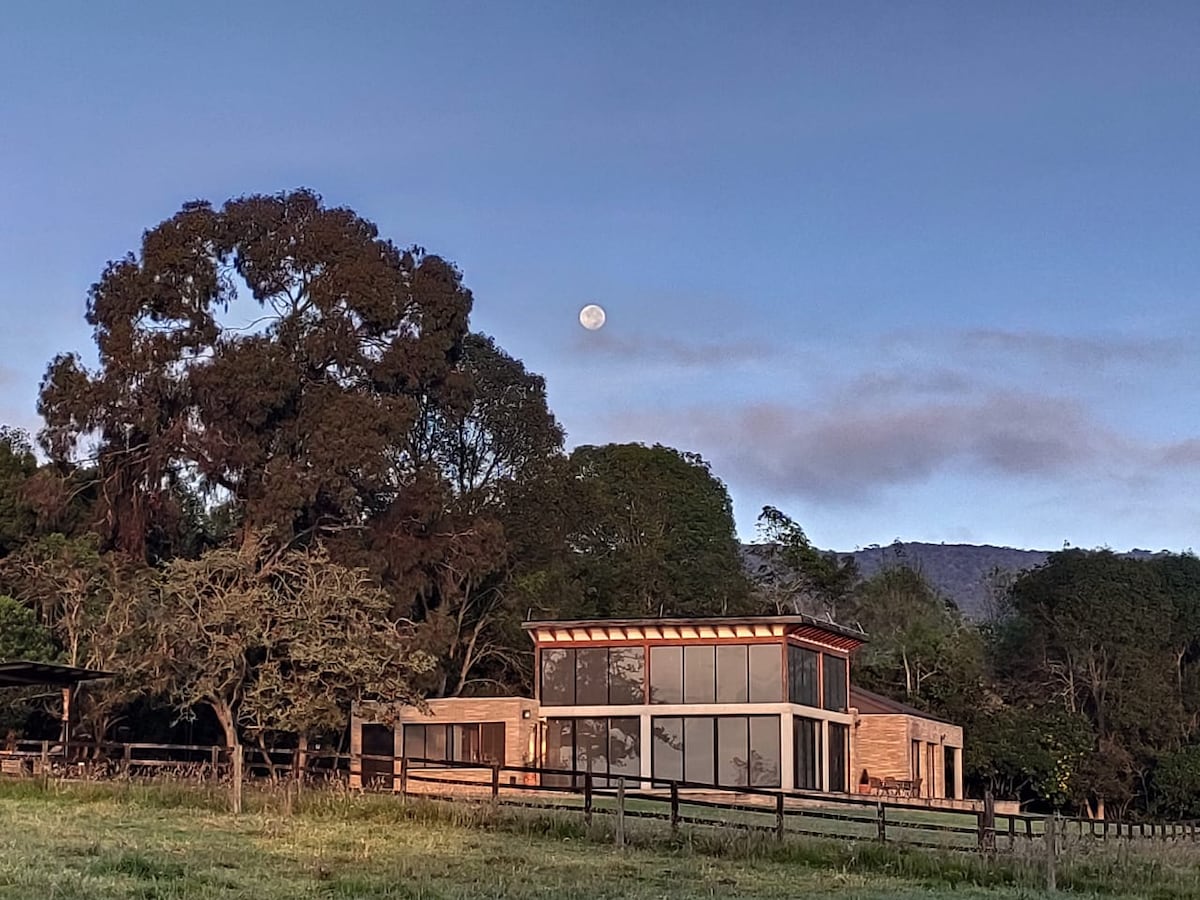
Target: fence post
(45, 763)
(881, 822)
(495, 781)
(235, 753)
(987, 825)
(1012, 832)
(620, 812)
(587, 798)
(674, 807)
(779, 817)
(125, 757)
(215, 756)
(403, 776)
(1051, 850)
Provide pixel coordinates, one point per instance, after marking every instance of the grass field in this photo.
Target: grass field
(154, 843)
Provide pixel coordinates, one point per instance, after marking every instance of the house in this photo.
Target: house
(762, 701)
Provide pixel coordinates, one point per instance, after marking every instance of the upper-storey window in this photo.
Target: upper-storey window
(716, 673)
(803, 676)
(835, 681)
(593, 676)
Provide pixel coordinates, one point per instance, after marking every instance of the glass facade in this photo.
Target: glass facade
(606, 747)
(471, 742)
(720, 749)
(716, 673)
(593, 676)
(730, 751)
(834, 680)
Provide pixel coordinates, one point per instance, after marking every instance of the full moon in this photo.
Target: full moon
(592, 317)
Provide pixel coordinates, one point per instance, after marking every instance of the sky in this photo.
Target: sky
(927, 271)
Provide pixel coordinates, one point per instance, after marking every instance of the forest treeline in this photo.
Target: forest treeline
(356, 497)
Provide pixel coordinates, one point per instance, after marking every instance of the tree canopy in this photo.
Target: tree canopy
(652, 532)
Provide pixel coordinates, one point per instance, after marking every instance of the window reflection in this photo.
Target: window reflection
(626, 675)
(558, 677)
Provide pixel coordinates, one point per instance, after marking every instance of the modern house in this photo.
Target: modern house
(762, 701)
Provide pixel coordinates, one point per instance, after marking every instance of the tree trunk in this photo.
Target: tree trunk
(225, 719)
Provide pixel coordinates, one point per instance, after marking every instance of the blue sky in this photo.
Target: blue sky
(918, 270)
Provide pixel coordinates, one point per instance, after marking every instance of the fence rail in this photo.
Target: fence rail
(675, 802)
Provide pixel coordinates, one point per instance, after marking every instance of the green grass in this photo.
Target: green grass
(103, 842)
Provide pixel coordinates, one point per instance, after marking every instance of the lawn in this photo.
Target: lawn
(101, 843)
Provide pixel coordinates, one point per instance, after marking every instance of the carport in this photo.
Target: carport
(24, 673)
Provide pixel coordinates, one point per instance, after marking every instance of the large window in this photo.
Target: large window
(558, 677)
(807, 751)
(834, 681)
(471, 742)
(731, 751)
(839, 756)
(766, 673)
(803, 681)
(606, 747)
(699, 673)
(732, 686)
(593, 676)
(666, 674)
(716, 673)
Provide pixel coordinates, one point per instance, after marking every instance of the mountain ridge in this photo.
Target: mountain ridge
(961, 572)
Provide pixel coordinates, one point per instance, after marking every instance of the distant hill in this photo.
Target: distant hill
(959, 571)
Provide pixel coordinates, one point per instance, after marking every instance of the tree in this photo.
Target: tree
(17, 466)
(21, 637)
(307, 419)
(88, 603)
(799, 578)
(276, 640)
(913, 633)
(653, 531)
(1021, 752)
(1177, 783)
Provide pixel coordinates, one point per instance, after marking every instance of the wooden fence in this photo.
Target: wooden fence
(675, 803)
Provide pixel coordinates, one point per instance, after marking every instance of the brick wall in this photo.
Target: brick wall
(883, 746)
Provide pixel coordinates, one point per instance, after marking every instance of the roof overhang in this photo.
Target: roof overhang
(806, 628)
(23, 673)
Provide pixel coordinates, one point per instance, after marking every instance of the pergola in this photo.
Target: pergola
(23, 673)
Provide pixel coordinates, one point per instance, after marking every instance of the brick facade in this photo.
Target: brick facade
(519, 715)
(883, 745)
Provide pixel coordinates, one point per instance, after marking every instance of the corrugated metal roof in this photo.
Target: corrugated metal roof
(868, 703)
(22, 673)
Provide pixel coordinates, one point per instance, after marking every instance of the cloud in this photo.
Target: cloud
(845, 453)
(1074, 350)
(671, 351)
